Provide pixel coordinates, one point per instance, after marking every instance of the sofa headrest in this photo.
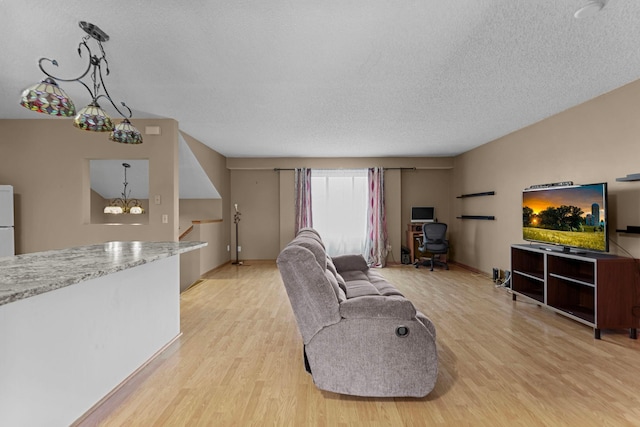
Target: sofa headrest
(309, 229)
(312, 245)
(310, 233)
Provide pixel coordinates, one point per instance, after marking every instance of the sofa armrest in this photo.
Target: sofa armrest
(378, 306)
(350, 263)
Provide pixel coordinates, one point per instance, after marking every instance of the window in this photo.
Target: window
(339, 204)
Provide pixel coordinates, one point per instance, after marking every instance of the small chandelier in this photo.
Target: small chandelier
(124, 205)
(47, 97)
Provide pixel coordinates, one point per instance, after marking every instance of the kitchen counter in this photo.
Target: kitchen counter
(24, 276)
(76, 323)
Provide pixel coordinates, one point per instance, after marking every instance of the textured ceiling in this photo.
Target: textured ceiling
(256, 78)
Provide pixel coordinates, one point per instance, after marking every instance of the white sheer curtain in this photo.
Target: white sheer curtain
(339, 204)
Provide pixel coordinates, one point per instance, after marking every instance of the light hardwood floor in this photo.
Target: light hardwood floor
(502, 363)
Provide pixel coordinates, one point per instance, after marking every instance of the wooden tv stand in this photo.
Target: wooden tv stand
(598, 290)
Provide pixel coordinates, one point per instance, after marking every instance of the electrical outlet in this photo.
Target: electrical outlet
(239, 248)
(228, 248)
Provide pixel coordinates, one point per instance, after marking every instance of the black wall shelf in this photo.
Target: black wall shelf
(630, 230)
(486, 193)
(484, 217)
(487, 217)
(630, 177)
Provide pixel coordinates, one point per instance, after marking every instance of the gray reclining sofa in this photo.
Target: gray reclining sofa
(361, 336)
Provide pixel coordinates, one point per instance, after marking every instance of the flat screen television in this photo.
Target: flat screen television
(574, 216)
(423, 214)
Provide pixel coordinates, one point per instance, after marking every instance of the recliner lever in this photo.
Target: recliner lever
(402, 331)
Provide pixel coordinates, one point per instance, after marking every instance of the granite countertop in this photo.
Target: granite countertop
(24, 276)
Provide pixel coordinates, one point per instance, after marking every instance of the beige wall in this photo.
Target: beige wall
(287, 207)
(269, 195)
(214, 165)
(594, 142)
(426, 187)
(47, 162)
(256, 192)
(235, 163)
(196, 263)
(198, 210)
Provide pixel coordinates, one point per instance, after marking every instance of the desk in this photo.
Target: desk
(414, 232)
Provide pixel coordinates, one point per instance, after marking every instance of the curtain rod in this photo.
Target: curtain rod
(387, 169)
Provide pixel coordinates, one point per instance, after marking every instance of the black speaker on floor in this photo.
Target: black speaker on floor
(405, 258)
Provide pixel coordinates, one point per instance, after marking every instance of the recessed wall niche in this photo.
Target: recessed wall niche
(108, 183)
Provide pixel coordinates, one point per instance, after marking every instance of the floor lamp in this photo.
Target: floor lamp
(236, 220)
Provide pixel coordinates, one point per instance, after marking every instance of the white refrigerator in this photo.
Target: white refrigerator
(7, 245)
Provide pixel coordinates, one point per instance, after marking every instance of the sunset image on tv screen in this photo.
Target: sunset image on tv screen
(567, 216)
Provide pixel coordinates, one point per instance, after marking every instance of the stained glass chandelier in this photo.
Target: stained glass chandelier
(49, 98)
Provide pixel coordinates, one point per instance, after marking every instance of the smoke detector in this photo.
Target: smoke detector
(590, 9)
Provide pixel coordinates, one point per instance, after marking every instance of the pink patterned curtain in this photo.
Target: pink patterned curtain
(376, 243)
(304, 218)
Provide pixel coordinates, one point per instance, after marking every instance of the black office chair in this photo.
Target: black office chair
(435, 243)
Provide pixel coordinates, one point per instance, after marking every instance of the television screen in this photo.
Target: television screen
(422, 214)
(573, 216)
